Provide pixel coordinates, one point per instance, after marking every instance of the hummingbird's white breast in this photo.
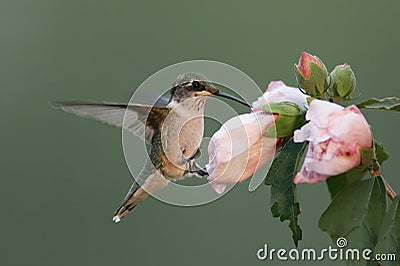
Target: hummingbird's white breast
(182, 133)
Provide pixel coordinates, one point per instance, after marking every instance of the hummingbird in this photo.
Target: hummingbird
(173, 128)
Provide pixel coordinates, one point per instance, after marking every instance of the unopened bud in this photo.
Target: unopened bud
(342, 83)
(311, 75)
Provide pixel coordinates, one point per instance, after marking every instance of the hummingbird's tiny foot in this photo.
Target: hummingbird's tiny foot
(200, 173)
(196, 169)
(203, 172)
(116, 219)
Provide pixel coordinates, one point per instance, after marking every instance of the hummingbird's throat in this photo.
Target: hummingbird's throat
(194, 104)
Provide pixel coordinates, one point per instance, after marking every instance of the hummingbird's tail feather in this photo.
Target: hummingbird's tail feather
(137, 193)
(128, 203)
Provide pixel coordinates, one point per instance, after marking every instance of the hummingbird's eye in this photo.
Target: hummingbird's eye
(196, 85)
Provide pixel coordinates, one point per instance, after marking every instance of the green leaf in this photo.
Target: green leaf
(388, 103)
(389, 235)
(338, 182)
(381, 154)
(283, 108)
(300, 158)
(284, 201)
(356, 214)
(290, 118)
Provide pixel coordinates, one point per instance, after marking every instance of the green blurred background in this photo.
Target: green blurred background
(62, 176)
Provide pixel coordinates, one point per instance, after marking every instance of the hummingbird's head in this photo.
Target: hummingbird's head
(189, 85)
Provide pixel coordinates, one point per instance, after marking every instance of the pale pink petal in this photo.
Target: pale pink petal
(318, 134)
(354, 108)
(218, 187)
(350, 126)
(238, 134)
(302, 134)
(305, 176)
(344, 159)
(319, 112)
(243, 165)
(332, 148)
(273, 85)
(258, 155)
(277, 91)
(238, 149)
(312, 133)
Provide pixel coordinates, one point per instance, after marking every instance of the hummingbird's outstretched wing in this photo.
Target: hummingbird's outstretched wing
(148, 181)
(140, 119)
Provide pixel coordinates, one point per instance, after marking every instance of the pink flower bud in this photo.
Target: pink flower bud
(311, 75)
(238, 149)
(277, 91)
(305, 64)
(335, 136)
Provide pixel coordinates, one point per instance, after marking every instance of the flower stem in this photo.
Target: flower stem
(389, 190)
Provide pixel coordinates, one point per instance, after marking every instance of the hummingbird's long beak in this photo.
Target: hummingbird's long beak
(228, 96)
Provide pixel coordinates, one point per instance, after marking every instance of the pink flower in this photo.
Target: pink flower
(238, 149)
(335, 136)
